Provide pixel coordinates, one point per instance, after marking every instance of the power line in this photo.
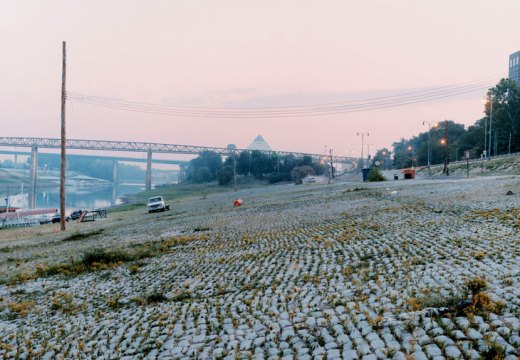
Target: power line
(347, 106)
(262, 111)
(472, 82)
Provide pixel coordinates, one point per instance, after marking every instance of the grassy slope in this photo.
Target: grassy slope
(502, 166)
(177, 192)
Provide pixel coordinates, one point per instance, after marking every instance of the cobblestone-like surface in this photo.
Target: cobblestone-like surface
(299, 272)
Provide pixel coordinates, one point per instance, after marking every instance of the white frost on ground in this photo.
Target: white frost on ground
(298, 272)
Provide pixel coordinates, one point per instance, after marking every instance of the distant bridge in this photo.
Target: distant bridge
(132, 146)
(99, 157)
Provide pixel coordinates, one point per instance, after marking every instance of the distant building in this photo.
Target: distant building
(259, 144)
(514, 67)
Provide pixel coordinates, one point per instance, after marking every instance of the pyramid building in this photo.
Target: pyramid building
(259, 144)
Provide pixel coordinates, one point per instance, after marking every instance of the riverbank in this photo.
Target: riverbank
(340, 270)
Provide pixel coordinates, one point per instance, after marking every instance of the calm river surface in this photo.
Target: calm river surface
(75, 199)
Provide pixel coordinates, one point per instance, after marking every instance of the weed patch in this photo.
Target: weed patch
(21, 309)
(103, 259)
(82, 236)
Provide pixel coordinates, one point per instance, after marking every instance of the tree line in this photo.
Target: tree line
(450, 140)
(210, 166)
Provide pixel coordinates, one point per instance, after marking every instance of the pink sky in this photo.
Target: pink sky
(254, 53)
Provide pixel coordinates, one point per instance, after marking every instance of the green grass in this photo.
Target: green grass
(177, 192)
(103, 259)
(502, 166)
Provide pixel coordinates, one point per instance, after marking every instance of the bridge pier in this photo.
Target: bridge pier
(182, 173)
(34, 176)
(115, 165)
(148, 180)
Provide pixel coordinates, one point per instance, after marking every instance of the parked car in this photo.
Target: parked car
(157, 203)
(56, 218)
(76, 214)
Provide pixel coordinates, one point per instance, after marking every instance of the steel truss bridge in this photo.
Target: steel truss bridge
(133, 146)
(98, 157)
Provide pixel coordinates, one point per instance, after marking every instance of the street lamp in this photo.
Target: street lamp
(490, 100)
(411, 149)
(444, 142)
(368, 150)
(362, 146)
(430, 124)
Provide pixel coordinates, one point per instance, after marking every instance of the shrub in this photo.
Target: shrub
(476, 285)
(375, 175)
(22, 308)
(298, 173)
(435, 301)
(156, 297)
(483, 305)
(275, 178)
(184, 295)
(113, 302)
(479, 255)
(64, 302)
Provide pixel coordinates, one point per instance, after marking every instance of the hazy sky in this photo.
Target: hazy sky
(248, 53)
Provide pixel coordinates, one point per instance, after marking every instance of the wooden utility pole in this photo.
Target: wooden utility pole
(63, 158)
(446, 153)
(331, 165)
(234, 171)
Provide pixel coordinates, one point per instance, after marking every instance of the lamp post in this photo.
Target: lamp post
(331, 165)
(368, 153)
(429, 141)
(444, 142)
(490, 100)
(362, 146)
(411, 149)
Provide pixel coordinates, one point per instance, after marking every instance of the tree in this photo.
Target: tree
(506, 116)
(225, 175)
(244, 163)
(456, 146)
(204, 168)
(384, 156)
(300, 172)
(261, 164)
(202, 175)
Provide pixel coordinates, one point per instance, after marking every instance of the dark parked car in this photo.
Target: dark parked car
(56, 218)
(76, 214)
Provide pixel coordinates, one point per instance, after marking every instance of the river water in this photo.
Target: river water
(75, 198)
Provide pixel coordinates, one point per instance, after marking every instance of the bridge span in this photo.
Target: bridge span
(98, 157)
(133, 146)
